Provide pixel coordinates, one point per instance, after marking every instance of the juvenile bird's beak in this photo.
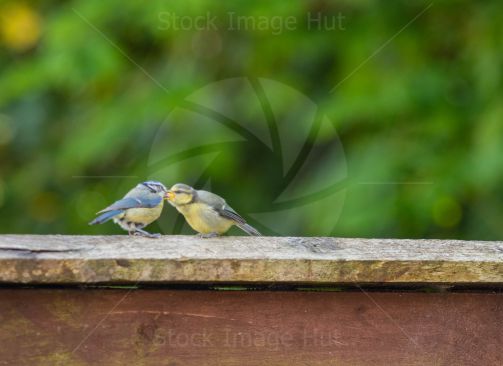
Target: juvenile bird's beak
(169, 195)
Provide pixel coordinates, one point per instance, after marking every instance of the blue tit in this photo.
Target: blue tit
(205, 212)
(140, 207)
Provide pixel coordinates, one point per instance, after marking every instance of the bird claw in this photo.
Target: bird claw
(207, 236)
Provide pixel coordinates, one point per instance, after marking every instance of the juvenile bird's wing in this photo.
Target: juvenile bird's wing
(227, 212)
(134, 202)
(219, 205)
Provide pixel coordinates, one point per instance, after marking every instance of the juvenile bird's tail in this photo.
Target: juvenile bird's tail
(250, 230)
(105, 217)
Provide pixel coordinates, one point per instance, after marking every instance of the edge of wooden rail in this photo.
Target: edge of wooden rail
(64, 259)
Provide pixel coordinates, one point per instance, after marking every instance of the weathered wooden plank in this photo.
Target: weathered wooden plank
(121, 259)
(164, 327)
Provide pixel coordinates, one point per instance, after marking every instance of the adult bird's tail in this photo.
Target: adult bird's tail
(105, 217)
(250, 230)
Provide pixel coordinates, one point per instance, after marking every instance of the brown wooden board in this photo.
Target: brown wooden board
(170, 327)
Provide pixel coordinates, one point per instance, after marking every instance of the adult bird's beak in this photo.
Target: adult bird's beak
(169, 195)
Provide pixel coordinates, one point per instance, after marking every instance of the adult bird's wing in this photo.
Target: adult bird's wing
(134, 202)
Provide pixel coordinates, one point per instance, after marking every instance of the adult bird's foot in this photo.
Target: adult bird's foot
(146, 234)
(209, 235)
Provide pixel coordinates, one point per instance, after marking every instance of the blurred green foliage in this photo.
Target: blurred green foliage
(86, 87)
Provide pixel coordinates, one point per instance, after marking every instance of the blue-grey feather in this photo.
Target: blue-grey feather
(250, 230)
(230, 214)
(134, 202)
(105, 217)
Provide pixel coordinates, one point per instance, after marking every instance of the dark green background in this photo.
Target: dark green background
(426, 108)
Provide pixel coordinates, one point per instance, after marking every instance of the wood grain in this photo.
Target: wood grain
(61, 259)
(174, 328)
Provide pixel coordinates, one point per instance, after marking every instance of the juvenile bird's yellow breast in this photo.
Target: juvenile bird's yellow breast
(204, 219)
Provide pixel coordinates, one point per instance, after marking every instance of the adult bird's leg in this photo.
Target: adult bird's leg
(146, 234)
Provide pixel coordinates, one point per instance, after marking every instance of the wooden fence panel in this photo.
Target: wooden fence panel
(174, 327)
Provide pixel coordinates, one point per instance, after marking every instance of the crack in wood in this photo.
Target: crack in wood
(183, 314)
(41, 250)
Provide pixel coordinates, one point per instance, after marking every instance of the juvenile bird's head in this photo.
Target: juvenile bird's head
(154, 187)
(180, 194)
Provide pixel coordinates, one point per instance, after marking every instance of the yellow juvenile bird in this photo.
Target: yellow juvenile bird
(205, 212)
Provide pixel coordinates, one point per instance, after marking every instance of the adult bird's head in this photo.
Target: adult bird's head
(154, 187)
(180, 194)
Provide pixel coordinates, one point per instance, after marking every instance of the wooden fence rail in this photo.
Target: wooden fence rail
(58, 259)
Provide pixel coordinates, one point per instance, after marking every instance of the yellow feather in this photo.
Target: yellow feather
(144, 215)
(204, 222)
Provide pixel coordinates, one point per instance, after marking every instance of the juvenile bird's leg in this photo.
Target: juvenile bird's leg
(209, 235)
(147, 234)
